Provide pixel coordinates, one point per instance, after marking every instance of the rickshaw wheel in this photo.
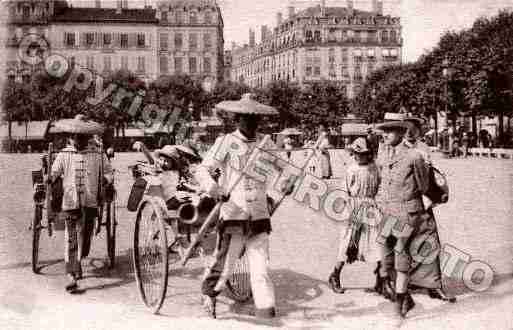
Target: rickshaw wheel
(238, 285)
(151, 255)
(110, 225)
(36, 235)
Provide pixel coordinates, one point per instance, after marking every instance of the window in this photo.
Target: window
(193, 41)
(164, 69)
(107, 39)
(372, 36)
(207, 41)
(107, 63)
(124, 40)
(309, 66)
(309, 36)
(141, 40)
(345, 72)
(332, 35)
(124, 62)
(178, 65)
(26, 12)
(192, 65)
(317, 36)
(331, 55)
(384, 36)
(72, 61)
(357, 73)
(193, 17)
(370, 68)
(208, 18)
(317, 66)
(163, 41)
(357, 36)
(163, 16)
(344, 35)
(393, 36)
(357, 55)
(207, 67)
(70, 39)
(90, 62)
(141, 64)
(89, 39)
(180, 16)
(344, 55)
(178, 41)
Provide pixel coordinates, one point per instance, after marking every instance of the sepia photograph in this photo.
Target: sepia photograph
(267, 164)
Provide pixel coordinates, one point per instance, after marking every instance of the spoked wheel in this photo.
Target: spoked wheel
(110, 225)
(238, 286)
(36, 235)
(151, 255)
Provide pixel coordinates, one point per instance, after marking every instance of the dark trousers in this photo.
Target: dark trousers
(79, 226)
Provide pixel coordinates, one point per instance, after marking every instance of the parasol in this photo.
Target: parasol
(247, 105)
(77, 125)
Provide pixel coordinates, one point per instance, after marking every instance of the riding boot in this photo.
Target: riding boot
(387, 288)
(209, 306)
(407, 305)
(440, 294)
(334, 279)
(378, 285)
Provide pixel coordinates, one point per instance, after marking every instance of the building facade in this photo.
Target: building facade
(182, 37)
(341, 44)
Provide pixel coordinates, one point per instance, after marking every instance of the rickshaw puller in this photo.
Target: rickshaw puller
(245, 218)
(80, 165)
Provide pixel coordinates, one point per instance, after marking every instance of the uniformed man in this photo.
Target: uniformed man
(245, 217)
(404, 180)
(426, 275)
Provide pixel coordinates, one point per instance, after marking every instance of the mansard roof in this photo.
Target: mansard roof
(106, 15)
(333, 12)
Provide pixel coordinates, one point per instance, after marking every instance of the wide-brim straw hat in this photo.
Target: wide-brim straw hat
(394, 121)
(77, 125)
(175, 151)
(189, 150)
(290, 131)
(247, 106)
(359, 146)
(167, 151)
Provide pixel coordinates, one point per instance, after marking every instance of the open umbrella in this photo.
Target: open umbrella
(247, 105)
(77, 125)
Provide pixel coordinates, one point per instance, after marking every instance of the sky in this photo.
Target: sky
(423, 21)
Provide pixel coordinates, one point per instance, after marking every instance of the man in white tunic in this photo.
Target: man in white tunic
(245, 217)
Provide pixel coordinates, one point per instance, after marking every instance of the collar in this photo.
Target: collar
(243, 137)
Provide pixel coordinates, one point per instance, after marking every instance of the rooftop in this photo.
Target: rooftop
(104, 15)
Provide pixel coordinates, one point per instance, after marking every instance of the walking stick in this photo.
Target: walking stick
(214, 214)
(316, 146)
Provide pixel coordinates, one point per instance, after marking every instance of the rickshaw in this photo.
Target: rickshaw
(162, 236)
(48, 200)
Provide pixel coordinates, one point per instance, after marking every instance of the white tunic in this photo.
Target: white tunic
(230, 154)
(80, 172)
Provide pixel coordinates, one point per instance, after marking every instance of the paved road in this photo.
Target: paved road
(303, 248)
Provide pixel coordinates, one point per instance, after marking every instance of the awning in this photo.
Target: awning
(352, 129)
(34, 130)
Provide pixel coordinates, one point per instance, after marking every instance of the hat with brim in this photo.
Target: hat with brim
(167, 151)
(247, 106)
(417, 121)
(77, 125)
(359, 146)
(394, 121)
(188, 150)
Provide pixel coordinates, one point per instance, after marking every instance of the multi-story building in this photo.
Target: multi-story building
(184, 36)
(341, 44)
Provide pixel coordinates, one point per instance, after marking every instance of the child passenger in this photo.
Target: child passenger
(358, 238)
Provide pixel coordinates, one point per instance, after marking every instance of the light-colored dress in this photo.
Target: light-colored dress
(362, 182)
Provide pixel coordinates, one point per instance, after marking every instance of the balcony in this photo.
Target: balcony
(24, 19)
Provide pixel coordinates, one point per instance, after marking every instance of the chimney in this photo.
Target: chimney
(263, 33)
(119, 6)
(98, 3)
(251, 38)
(379, 7)
(350, 7)
(323, 8)
(279, 18)
(292, 12)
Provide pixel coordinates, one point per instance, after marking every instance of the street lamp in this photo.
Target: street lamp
(446, 72)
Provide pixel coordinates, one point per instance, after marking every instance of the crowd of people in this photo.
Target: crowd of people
(395, 172)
